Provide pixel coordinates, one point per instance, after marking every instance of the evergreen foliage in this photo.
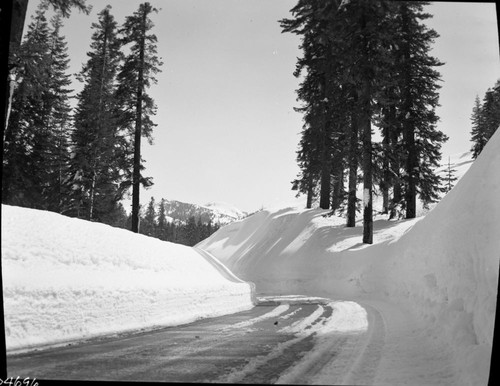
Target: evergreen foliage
(450, 177)
(366, 63)
(36, 152)
(485, 119)
(153, 222)
(135, 76)
(80, 163)
(99, 148)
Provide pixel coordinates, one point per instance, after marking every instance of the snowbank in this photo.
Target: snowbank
(67, 279)
(444, 266)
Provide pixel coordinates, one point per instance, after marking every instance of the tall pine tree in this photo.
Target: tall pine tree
(367, 63)
(137, 107)
(485, 119)
(418, 82)
(36, 146)
(478, 133)
(99, 159)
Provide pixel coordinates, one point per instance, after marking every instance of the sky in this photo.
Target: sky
(227, 130)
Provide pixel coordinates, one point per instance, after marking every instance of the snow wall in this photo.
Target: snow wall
(66, 279)
(444, 266)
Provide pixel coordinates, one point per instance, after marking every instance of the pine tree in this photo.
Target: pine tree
(189, 232)
(490, 111)
(136, 75)
(418, 80)
(56, 192)
(19, 183)
(450, 177)
(366, 28)
(485, 119)
(148, 223)
(478, 134)
(100, 150)
(18, 15)
(162, 231)
(36, 146)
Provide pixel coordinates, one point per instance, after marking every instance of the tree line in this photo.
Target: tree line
(154, 223)
(80, 160)
(366, 64)
(485, 119)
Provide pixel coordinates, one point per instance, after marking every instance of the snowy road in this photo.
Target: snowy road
(288, 339)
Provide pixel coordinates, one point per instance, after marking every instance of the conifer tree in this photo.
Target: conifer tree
(450, 177)
(100, 149)
(137, 107)
(478, 134)
(368, 24)
(56, 192)
(162, 231)
(418, 80)
(490, 111)
(148, 223)
(36, 146)
(17, 20)
(19, 184)
(367, 63)
(485, 119)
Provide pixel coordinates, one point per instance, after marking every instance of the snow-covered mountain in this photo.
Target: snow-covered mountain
(216, 212)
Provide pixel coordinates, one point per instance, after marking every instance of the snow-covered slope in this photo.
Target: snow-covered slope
(444, 266)
(68, 279)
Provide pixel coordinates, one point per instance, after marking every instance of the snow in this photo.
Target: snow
(433, 279)
(366, 197)
(223, 208)
(66, 279)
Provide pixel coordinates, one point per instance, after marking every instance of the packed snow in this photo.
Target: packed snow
(66, 279)
(432, 279)
(223, 208)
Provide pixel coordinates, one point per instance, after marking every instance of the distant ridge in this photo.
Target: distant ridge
(214, 212)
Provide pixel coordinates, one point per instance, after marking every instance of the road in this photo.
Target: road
(281, 340)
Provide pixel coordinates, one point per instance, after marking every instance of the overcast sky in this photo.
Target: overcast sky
(226, 129)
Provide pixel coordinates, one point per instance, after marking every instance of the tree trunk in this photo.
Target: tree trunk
(136, 179)
(386, 182)
(365, 128)
(353, 173)
(16, 11)
(408, 129)
(310, 192)
(396, 179)
(324, 200)
(338, 186)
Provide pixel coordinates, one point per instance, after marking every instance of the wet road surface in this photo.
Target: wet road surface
(279, 340)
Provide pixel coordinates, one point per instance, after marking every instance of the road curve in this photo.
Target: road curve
(284, 339)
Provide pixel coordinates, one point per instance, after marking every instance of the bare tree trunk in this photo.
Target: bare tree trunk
(338, 186)
(138, 134)
(366, 130)
(16, 9)
(353, 173)
(310, 192)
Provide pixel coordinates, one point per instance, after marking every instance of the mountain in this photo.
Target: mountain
(216, 212)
